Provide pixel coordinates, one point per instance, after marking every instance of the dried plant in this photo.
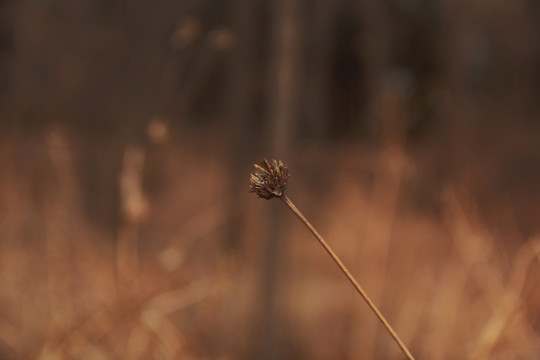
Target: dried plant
(270, 180)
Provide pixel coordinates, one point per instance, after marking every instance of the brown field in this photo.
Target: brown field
(128, 131)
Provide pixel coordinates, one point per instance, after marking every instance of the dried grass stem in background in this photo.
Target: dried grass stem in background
(270, 180)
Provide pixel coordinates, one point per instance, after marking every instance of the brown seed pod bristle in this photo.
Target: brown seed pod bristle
(269, 179)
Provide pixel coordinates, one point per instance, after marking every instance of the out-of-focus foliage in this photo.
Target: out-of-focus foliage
(128, 130)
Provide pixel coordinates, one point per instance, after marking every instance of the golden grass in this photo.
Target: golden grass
(161, 287)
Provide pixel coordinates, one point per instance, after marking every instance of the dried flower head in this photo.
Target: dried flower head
(269, 179)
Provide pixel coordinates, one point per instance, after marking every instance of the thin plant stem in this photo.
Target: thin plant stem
(348, 274)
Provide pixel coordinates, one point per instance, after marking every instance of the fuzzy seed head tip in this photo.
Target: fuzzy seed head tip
(269, 179)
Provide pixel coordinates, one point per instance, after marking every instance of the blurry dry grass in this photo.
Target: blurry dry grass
(160, 285)
(161, 288)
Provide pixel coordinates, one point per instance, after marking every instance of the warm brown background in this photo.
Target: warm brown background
(127, 133)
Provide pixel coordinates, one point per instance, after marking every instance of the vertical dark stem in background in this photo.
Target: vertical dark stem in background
(6, 46)
(375, 48)
(282, 105)
(284, 72)
(317, 84)
(240, 108)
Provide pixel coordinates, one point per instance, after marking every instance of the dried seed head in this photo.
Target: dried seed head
(269, 179)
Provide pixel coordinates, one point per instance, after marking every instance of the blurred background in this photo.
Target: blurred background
(128, 130)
